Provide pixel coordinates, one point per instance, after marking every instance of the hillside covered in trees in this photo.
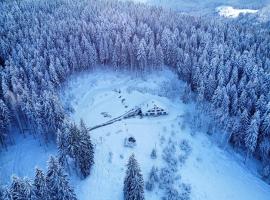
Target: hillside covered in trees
(42, 43)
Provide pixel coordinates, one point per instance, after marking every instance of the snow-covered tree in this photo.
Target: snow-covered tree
(86, 154)
(62, 146)
(252, 133)
(57, 182)
(4, 121)
(266, 124)
(166, 178)
(187, 94)
(133, 183)
(50, 114)
(53, 75)
(152, 179)
(21, 189)
(75, 142)
(2, 193)
(152, 57)
(159, 55)
(39, 185)
(141, 56)
(154, 153)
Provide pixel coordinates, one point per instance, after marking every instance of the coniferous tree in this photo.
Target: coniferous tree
(152, 57)
(53, 75)
(239, 130)
(252, 134)
(39, 185)
(62, 147)
(266, 124)
(75, 142)
(133, 183)
(5, 194)
(153, 178)
(2, 192)
(50, 114)
(4, 121)
(86, 155)
(265, 150)
(224, 108)
(159, 55)
(21, 189)
(57, 182)
(141, 56)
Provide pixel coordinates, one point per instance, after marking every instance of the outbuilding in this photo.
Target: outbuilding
(130, 142)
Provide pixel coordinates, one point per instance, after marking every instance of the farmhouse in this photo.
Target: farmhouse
(153, 109)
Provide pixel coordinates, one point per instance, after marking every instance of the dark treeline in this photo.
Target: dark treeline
(43, 42)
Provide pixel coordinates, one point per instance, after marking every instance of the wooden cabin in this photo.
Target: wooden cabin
(156, 111)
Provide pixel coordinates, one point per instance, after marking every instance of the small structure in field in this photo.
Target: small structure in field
(105, 114)
(130, 142)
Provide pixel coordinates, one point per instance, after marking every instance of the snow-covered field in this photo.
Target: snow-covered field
(230, 8)
(21, 158)
(99, 96)
(231, 12)
(212, 172)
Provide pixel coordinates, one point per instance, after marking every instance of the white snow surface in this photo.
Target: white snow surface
(231, 8)
(231, 12)
(23, 156)
(212, 172)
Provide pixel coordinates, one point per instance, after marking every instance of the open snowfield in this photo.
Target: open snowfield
(231, 12)
(228, 7)
(213, 173)
(21, 158)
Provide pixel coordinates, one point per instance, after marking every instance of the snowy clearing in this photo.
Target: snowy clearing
(21, 158)
(231, 12)
(228, 8)
(212, 173)
(97, 97)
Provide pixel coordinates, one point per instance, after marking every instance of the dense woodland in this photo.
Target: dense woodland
(225, 62)
(52, 185)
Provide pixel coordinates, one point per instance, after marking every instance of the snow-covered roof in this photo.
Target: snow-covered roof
(152, 104)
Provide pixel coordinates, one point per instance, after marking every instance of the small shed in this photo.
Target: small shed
(130, 142)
